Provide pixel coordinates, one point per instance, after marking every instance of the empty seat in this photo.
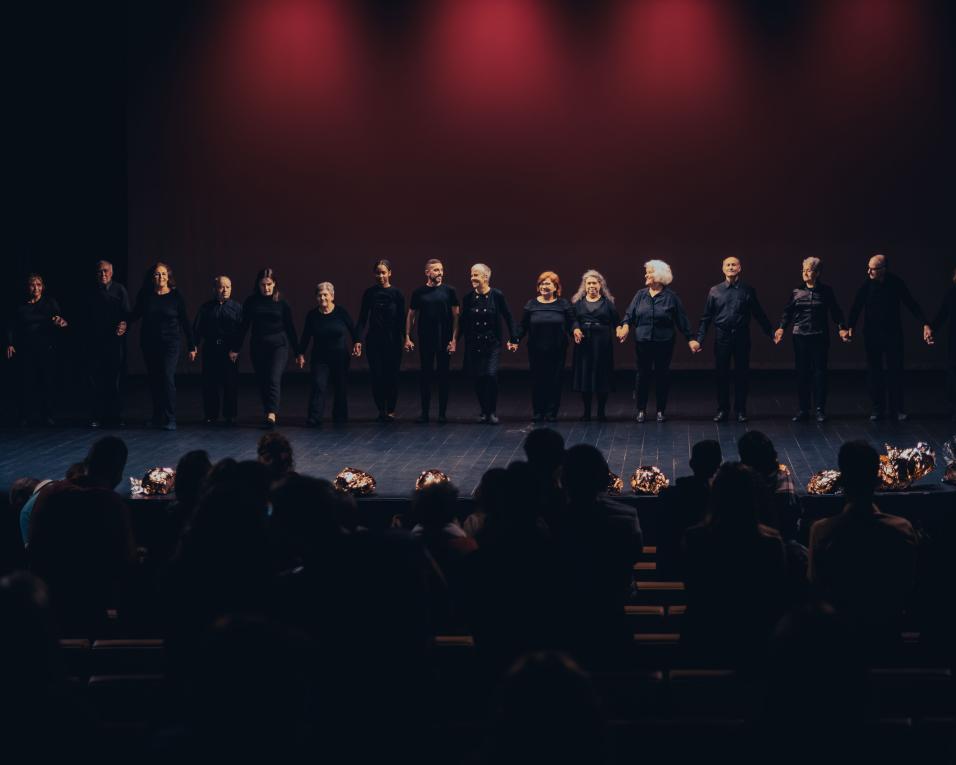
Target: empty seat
(128, 657)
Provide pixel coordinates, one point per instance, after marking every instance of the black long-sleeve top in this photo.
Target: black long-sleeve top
(332, 334)
(808, 309)
(880, 302)
(383, 312)
(599, 313)
(656, 317)
(547, 325)
(729, 307)
(947, 311)
(31, 327)
(106, 306)
(164, 317)
(482, 315)
(218, 323)
(270, 321)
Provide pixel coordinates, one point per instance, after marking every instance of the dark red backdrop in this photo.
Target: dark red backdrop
(315, 136)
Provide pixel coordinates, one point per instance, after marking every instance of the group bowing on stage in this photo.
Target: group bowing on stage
(436, 323)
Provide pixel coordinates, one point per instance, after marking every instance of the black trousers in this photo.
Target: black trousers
(810, 353)
(105, 371)
(384, 361)
(436, 364)
(36, 380)
(547, 371)
(880, 382)
(732, 347)
(269, 362)
(325, 373)
(486, 389)
(161, 359)
(653, 357)
(220, 382)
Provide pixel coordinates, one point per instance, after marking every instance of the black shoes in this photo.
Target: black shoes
(170, 425)
(876, 416)
(551, 418)
(641, 416)
(800, 416)
(661, 417)
(442, 419)
(721, 416)
(493, 419)
(902, 416)
(483, 418)
(820, 416)
(313, 423)
(741, 417)
(422, 419)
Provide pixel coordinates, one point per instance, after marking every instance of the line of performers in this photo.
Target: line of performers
(436, 323)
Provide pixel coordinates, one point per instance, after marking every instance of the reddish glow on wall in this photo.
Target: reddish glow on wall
(496, 62)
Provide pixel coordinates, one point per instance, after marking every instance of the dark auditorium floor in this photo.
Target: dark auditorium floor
(395, 454)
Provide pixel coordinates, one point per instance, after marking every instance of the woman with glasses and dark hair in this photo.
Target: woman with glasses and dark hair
(808, 311)
(383, 314)
(547, 322)
(273, 339)
(163, 311)
(31, 348)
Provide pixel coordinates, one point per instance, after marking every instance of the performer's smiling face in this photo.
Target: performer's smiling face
(592, 287)
(35, 288)
(435, 273)
(223, 288)
(731, 268)
(104, 272)
(479, 279)
(161, 278)
(382, 275)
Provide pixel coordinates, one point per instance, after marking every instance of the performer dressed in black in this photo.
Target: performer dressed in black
(106, 311)
(546, 322)
(334, 340)
(946, 317)
(163, 311)
(273, 339)
(31, 348)
(880, 298)
(810, 309)
(482, 311)
(434, 308)
(383, 312)
(656, 313)
(729, 307)
(216, 329)
(595, 321)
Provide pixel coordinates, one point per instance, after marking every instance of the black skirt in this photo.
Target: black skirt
(594, 360)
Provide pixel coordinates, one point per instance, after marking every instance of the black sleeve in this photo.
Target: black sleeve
(124, 301)
(836, 313)
(524, 326)
(630, 315)
(400, 317)
(577, 309)
(505, 313)
(680, 318)
(240, 337)
(910, 302)
(858, 302)
(197, 326)
(184, 325)
(710, 308)
(568, 317)
(944, 310)
(364, 312)
(139, 308)
(787, 318)
(453, 298)
(288, 325)
(759, 314)
(464, 317)
(350, 326)
(307, 335)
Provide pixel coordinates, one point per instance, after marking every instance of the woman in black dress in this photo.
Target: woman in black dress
(163, 311)
(482, 311)
(595, 320)
(383, 312)
(273, 339)
(657, 314)
(330, 330)
(547, 322)
(31, 347)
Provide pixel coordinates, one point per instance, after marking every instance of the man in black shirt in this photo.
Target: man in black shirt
(216, 328)
(879, 298)
(729, 307)
(105, 322)
(435, 309)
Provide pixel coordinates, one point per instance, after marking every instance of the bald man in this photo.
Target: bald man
(730, 306)
(217, 328)
(879, 300)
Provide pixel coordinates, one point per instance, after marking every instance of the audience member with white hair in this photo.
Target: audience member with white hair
(656, 313)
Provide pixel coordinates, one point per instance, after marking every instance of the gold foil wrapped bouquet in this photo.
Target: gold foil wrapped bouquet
(355, 481)
(899, 468)
(824, 482)
(159, 481)
(430, 478)
(648, 479)
(615, 484)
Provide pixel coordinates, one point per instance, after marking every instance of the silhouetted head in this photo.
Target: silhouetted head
(492, 491)
(585, 472)
(859, 469)
(275, 452)
(191, 472)
(705, 458)
(106, 461)
(20, 491)
(757, 451)
(434, 506)
(734, 499)
(544, 448)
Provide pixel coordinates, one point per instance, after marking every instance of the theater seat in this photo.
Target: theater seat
(645, 618)
(128, 657)
(659, 593)
(630, 695)
(126, 699)
(705, 693)
(76, 657)
(913, 691)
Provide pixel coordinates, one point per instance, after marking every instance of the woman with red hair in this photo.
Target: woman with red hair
(546, 322)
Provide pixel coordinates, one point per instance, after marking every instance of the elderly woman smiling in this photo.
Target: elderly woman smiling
(655, 313)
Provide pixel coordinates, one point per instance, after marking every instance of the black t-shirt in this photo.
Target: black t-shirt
(434, 306)
(270, 321)
(106, 307)
(164, 317)
(333, 334)
(383, 312)
(31, 327)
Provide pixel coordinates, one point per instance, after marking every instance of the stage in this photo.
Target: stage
(396, 453)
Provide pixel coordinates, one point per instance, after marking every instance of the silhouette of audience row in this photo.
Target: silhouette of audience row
(290, 627)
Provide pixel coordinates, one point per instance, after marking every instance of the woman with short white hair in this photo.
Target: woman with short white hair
(807, 311)
(334, 340)
(482, 312)
(656, 313)
(595, 319)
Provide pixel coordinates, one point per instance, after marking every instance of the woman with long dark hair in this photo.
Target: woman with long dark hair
(31, 348)
(273, 339)
(163, 311)
(383, 313)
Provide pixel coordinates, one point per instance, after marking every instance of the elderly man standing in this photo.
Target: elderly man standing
(729, 307)
(216, 329)
(107, 309)
(879, 299)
